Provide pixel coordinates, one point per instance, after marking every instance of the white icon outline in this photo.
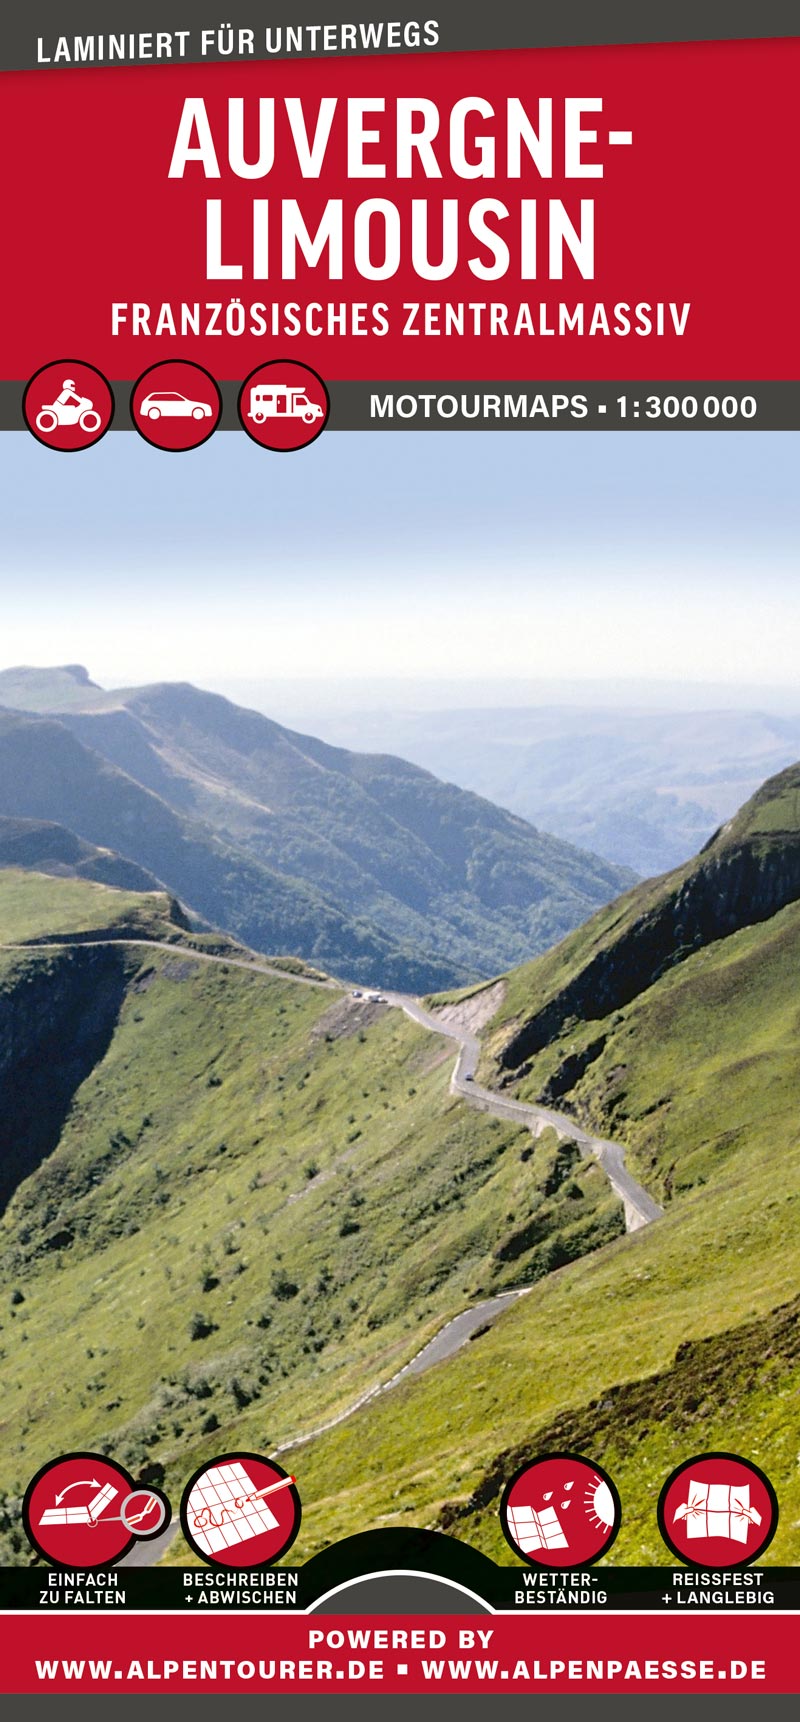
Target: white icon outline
(717, 1510)
(282, 401)
(134, 1508)
(226, 1507)
(171, 404)
(68, 408)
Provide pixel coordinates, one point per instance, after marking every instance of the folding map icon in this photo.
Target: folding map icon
(532, 1529)
(86, 1514)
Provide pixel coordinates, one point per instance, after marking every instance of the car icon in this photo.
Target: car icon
(168, 404)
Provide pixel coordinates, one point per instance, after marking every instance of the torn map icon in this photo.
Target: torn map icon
(718, 1510)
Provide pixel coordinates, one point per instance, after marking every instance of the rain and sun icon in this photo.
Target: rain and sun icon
(598, 1502)
(561, 1511)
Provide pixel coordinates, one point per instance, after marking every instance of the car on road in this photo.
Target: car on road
(469, 1077)
(168, 404)
(356, 994)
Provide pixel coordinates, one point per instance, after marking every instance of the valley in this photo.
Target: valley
(406, 1241)
(274, 1185)
(363, 863)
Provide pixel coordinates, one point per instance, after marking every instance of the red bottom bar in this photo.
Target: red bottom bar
(64, 1652)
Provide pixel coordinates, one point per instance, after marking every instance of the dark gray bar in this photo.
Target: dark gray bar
(532, 406)
(462, 24)
(515, 406)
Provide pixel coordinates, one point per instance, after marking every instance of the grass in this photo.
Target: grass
(702, 1072)
(746, 873)
(256, 1163)
(33, 906)
(257, 1208)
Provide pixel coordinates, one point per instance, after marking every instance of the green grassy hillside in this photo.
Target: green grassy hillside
(681, 1337)
(435, 874)
(747, 872)
(262, 1199)
(235, 1201)
(33, 906)
(662, 1344)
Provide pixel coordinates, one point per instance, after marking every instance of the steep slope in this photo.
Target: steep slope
(682, 1338)
(435, 868)
(232, 1193)
(47, 774)
(747, 871)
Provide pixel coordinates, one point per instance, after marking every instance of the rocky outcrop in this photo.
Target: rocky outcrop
(57, 1016)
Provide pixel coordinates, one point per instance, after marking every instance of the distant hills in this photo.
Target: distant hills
(363, 863)
(645, 788)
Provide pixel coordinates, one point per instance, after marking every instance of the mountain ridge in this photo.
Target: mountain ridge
(421, 865)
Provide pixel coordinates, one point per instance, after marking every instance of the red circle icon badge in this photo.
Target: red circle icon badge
(717, 1510)
(283, 405)
(82, 1510)
(176, 405)
(240, 1511)
(560, 1511)
(68, 405)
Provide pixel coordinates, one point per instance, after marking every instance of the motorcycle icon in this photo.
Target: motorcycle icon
(69, 408)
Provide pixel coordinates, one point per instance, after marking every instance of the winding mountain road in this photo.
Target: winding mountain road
(640, 1208)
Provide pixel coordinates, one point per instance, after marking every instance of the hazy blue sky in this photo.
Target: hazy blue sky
(395, 554)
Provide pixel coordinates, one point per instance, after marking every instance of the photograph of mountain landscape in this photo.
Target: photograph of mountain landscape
(399, 943)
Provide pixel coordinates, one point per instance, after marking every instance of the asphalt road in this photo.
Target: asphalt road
(176, 950)
(640, 1209)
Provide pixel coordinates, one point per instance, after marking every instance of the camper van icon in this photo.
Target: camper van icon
(282, 401)
(283, 405)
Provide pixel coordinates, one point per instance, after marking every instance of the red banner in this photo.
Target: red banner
(672, 273)
(486, 1653)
